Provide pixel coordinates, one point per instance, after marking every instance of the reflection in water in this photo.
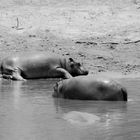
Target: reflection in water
(101, 107)
(20, 113)
(100, 118)
(28, 111)
(16, 91)
(80, 118)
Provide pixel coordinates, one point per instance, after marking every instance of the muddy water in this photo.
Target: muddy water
(28, 112)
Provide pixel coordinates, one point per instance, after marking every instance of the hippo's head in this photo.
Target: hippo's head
(75, 68)
(58, 89)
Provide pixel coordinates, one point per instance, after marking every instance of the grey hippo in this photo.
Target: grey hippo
(40, 65)
(90, 88)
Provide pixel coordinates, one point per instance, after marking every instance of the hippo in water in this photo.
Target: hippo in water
(44, 65)
(90, 88)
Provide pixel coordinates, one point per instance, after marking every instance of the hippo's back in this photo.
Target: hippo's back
(92, 88)
(34, 65)
(28, 59)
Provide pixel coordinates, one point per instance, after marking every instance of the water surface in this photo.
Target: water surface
(29, 112)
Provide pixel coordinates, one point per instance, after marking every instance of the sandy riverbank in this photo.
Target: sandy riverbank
(103, 35)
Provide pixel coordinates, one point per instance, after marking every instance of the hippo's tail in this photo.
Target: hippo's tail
(124, 92)
(1, 68)
(1, 71)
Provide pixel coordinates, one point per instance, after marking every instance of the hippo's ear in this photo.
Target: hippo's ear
(56, 84)
(71, 59)
(60, 86)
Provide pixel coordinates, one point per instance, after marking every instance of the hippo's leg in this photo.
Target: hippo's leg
(65, 73)
(16, 75)
(5, 76)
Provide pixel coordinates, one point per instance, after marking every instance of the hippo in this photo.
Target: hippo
(90, 88)
(40, 65)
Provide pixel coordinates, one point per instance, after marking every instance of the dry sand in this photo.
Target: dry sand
(102, 34)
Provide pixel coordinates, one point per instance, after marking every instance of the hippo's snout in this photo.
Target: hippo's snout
(86, 72)
(83, 71)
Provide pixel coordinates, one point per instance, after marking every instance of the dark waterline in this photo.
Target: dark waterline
(29, 112)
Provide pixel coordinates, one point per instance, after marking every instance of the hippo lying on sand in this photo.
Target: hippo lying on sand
(34, 66)
(90, 88)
